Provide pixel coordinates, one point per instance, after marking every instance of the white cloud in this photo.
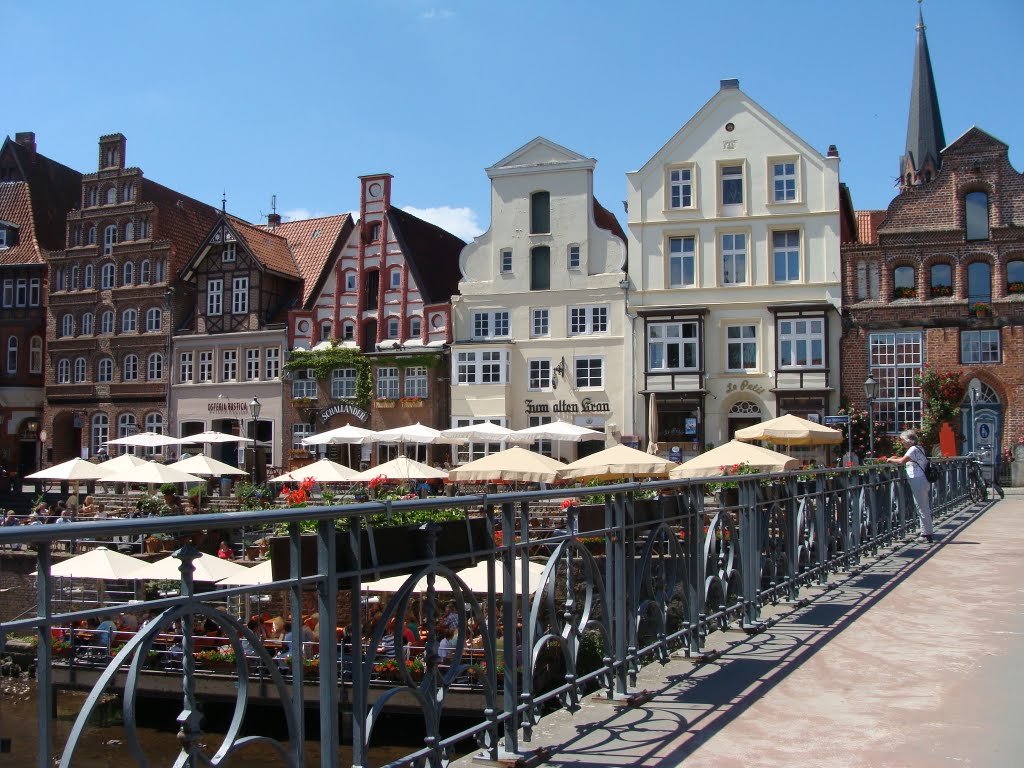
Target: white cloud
(437, 13)
(298, 214)
(461, 222)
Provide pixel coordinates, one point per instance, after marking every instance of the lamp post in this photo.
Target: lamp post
(871, 392)
(974, 429)
(254, 411)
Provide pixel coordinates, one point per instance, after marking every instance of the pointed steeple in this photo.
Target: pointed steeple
(925, 139)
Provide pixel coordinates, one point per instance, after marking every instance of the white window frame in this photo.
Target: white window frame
(678, 260)
(109, 239)
(895, 360)
(154, 367)
(394, 328)
(105, 369)
(130, 368)
(205, 366)
(491, 324)
(128, 274)
(304, 384)
(733, 260)
(505, 261)
(786, 251)
(230, 252)
(742, 342)
(588, 320)
(272, 363)
(63, 371)
(79, 373)
(350, 281)
(8, 297)
(35, 353)
(680, 187)
(185, 371)
(239, 295)
(21, 293)
(129, 321)
(108, 277)
(415, 327)
(797, 337)
(573, 256)
(67, 325)
(343, 383)
(145, 272)
(386, 383)
(727, 173)
(99, 431)
(480, 366)
(12, 355)
(107, 322)
(87, 324)
(683, 336)
(980, 347)
(588, 372)
(229, 365)
(300, 430)
(415, 382)
(395, 279)
(252, 364)
(784, 173)
(540, 322)
(88, 282)
(154, 319)
(215, 296)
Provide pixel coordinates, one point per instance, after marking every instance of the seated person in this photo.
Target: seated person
(225, 552)
(446, 648)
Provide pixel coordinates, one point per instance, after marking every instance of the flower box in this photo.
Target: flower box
(411, 402)
(941, 291)
(1015, 287)
(395, 547)
(904, 293)
(384, 403)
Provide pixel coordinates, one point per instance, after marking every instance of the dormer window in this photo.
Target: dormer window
(3, 238)
(229, 252)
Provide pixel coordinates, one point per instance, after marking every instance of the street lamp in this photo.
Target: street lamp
(871, 392)
(254, 411)
(974, 401)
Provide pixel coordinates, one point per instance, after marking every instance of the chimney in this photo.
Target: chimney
(833, 151)
(732, 83)
(27, 140)
(273, 219)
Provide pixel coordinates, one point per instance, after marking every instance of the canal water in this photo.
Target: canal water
(104, 744)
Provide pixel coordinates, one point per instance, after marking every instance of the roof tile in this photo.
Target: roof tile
(311, 242)
(16, 208)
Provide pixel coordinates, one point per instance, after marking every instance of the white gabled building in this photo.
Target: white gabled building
(734, 230)
(539, 322)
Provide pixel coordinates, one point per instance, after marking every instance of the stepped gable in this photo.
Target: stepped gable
(432, 254)
(311, 242)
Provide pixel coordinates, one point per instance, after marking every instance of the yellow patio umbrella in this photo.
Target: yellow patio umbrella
(790, 430)
(513, 465)
(711, 463)
(619, 462)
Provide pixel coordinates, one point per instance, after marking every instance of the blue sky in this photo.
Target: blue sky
(297, 100)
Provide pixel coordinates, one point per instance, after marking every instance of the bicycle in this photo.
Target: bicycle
(976, 487)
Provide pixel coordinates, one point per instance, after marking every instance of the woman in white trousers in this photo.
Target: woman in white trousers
(914, 461)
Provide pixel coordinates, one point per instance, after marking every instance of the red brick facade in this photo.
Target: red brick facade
(926, 229)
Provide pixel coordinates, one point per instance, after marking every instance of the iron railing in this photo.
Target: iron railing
(673, 569)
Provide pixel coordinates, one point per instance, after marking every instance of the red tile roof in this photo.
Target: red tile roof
(16, 208)
(182, 220)
(868, 223)
(312, 241)
(269, 248)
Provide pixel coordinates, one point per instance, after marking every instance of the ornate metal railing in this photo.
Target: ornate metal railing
(673, 569)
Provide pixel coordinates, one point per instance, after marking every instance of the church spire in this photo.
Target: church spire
(925, 139)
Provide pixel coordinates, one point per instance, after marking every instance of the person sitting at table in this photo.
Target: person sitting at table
(446, 647)
(277, 623)
(257, 627)
(105, 630)
(128, 622)
(225, 552)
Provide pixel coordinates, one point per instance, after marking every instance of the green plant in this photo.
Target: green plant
(981, 307)
(253, 495)
(859, 424)
(169, 489)
(216, 656)
(729, 470)
(324, 361)
(196, 490)
(1015, 287)
(943, 394)
(942, 290)
(904, 292)
(151, 505)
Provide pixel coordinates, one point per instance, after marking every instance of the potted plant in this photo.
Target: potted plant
(169, 491)
(385, 402)
(61, 649)
(981, 309)
(411, 402)
(216, 659)
(904, 292)
(941, 291)
(728, 491)
(1017, 286)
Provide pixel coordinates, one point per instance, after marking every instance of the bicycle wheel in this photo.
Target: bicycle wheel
(977, 489)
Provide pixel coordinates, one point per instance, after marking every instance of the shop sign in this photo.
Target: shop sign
(334, 410)
(744, 386)
(586, 405)
(228, 406)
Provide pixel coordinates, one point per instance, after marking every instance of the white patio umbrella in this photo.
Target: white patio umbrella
(153, 473)
(75, 469)
(475, 578)
(514, 465)
(214, 437)
(486, 432)
(208, 568)
(790, 430)
(560, 430)
(346, 435)
(618, 463)
(205, 466)
(99, 563)
(323, 471)
(251, 577)
(402, 468)
(119, 463)
(711, 463)
(146, 440)
(414, 433)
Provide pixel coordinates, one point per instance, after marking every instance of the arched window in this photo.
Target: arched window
(1015, 278)
(63, 371)
(143, 229)
(976, 215)
(86, 327)
(105, 369)
(415, 327)
(129, 192)
(79, 370)
(904, 282)
(35, 353)
(350, 282)
(91, 235)
(109, 238)
(89, 276)
(128, 273)
(12, 355)
(130, 368)
(67, 325)
(393, 327)
(129, 321)
(540, 213)
(111, 196)
(126, 425)
(100, 431)
(107, 277)
(396, 279)
(326, 331)
(979, 282)
(58, 279)
(348, 330)
(92, 196)
(540, 268)
(153, 319)
(129, 230)
(159, 270)
(941, 280)
(76, 235)
(154, 423)
(144, 272)
(74, 278)
(107, 322)
(155, 367)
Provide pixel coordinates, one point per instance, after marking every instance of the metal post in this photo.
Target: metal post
(44, 685)
(871, 427)
(295, 649)
(327, 607)
(508, 612)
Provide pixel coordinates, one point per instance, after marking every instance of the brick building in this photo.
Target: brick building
(938, 278)
(113, 301)
(36, 194)
(386, 296)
